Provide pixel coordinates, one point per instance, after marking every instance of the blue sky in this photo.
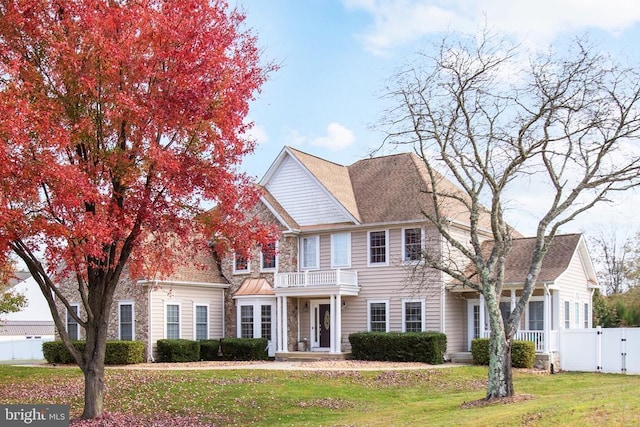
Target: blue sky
(337, 55)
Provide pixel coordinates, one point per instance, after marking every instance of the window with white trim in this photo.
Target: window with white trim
(567, 314)
(310, 252)
(246, 321)
(412, 315)
(412, 244)
(341, 250)
(72, 325)
(172, 321)
(378, 316)
(378, 247)
(265, 327)
(268, 259)
(201, 319)
(240, 264)
(586, 315)
(126, 321)
(576, 320)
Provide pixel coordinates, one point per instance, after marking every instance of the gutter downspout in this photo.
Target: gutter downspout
(593, 291)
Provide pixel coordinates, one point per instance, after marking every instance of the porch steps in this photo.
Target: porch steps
(310, 356)
(461, 357)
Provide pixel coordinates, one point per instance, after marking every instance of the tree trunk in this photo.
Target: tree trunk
(93, 389)
(500, 381)
(93, 363)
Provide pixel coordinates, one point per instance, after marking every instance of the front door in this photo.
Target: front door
(324, 327)
(320, 322)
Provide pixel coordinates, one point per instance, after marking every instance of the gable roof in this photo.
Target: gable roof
(556, 261)
(378, 190)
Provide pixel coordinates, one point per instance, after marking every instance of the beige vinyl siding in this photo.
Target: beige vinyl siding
(186, 296)
(456, 322)
(385, 283)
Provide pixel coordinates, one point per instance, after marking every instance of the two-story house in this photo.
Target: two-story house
(348, 260)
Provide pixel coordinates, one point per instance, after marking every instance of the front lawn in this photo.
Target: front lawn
(327, 398)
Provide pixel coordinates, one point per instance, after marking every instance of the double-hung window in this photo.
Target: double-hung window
(411, 244)
(72, 324)
(378, 316)
(268, 257)
(341, 250)
(567, 315)
(240, 264)
(413, 316)
(201, 321)
(172, 321)
(586, 315)
(246, 321)
(310, 251)
(126, 321)
(378, 247)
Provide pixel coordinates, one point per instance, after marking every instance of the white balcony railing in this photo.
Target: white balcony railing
(316, 278)
(537, 337)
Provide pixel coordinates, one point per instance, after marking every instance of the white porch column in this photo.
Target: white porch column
(332, 326)
(279, 324)
(481, 319)
(285, 322)
(513, 299)
(546, 319)
(338, 326)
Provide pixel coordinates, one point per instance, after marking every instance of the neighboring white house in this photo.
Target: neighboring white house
(22, 333)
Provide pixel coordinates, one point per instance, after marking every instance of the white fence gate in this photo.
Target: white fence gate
(614, 350)
(24, 349)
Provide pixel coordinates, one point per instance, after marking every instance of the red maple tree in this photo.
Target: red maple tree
(120, 119)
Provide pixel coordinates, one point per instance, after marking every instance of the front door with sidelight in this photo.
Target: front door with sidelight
(321, 325)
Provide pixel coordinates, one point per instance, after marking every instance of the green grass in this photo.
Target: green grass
(301, 398)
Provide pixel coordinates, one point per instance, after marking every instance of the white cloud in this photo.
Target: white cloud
(257, 133)
(338, 138)
(398, 22)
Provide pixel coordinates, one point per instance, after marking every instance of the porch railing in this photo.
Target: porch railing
(316, 278)
(537, 337)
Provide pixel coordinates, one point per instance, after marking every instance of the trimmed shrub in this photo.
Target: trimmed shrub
(426, 347)
(480, 351)
(116, 353)
(179, 350)
(523, 353)
(124, 352)
(209, 349)
(244, 348)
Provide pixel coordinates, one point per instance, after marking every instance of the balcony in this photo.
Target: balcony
(307, 282)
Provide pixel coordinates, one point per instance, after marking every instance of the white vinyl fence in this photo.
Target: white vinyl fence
(614, 350)
(23, 349)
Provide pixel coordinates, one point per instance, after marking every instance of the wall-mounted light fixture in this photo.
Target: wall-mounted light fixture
(344, 305)
(306, 306)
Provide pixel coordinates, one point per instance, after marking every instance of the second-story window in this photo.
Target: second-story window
(240, 264)
(378, 247)
(412, 244)
(309, 247)
(340, 250)
(268, 257)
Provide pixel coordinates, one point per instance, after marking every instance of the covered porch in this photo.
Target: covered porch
(539, 322)
(319, 298)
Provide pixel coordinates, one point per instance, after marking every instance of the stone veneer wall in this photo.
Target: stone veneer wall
(287, 262)
(202, 268)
